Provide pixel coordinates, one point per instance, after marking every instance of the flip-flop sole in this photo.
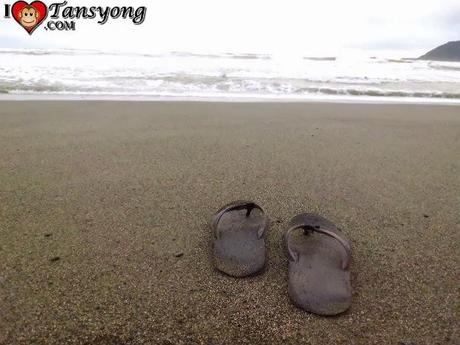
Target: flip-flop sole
(317, 282)
(238, 250)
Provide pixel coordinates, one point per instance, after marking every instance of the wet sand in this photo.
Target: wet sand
(104, 209)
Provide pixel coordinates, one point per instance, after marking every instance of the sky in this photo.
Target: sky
(285, 27)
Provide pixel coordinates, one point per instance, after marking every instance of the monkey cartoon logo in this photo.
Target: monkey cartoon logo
(29, 16)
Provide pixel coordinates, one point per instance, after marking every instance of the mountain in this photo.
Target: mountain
(447, 52)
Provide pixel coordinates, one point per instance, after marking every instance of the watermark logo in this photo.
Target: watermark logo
(63, 17)
(29, 16)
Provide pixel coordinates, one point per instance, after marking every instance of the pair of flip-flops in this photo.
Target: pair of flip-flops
(319, 256)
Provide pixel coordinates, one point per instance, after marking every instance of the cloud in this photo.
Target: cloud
(449, 21)
(274, 26)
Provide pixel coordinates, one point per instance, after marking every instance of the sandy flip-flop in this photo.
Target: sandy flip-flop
(239, 243)
(319, 259)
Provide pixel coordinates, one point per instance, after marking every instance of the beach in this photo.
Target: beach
(105, 210)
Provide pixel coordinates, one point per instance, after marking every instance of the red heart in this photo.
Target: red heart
(29, 16)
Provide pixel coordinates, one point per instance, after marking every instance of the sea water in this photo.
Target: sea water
(180, 74)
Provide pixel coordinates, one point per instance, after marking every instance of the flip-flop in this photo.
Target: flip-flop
(319, 259)
(239, 243)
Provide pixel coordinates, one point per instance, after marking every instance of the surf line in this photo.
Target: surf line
(61, 10)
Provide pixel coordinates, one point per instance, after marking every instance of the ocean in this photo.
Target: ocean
(89, 73)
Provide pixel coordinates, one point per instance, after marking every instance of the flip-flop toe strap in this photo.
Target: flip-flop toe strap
(294, 256)
(240, 205)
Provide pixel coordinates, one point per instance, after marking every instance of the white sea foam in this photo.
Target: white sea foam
(181, 74)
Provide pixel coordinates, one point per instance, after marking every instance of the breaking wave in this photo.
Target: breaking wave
(92, 72)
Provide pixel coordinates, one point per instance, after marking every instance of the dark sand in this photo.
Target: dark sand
(98, 200)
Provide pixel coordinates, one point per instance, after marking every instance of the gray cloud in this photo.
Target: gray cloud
(447, 19)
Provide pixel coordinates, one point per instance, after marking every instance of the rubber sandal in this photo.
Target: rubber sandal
(239, 244)
(319, 260)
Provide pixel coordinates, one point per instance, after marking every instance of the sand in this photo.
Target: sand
(104, 211)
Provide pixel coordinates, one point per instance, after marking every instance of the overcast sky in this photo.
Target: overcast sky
(321, 27)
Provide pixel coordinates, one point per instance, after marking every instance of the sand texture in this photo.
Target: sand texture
(104, 211)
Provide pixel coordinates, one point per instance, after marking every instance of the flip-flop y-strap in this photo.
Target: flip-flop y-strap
(329, 231)
(236, 206)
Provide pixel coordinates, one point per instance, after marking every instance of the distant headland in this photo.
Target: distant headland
(446, 52)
